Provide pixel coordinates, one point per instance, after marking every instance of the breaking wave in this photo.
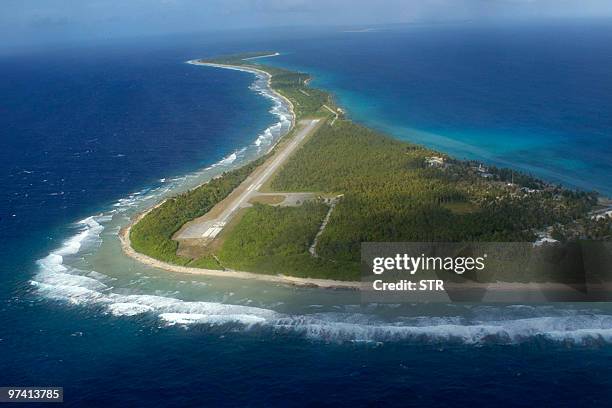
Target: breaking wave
(227, 160)
(57, 280)
(280, 109)
(482, 324)
(576, 329)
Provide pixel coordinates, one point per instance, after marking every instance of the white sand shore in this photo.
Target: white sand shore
(124, 236)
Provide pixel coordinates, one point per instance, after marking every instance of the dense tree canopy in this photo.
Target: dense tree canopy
(390, 191)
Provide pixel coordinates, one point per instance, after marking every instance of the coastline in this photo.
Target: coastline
(124, 233)
(86, 286)
(492, 287)
(126, 247)
(279, 279)
(259, 73)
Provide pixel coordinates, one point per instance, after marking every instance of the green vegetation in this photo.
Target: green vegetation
(152, 235)
(273, 240)
(391, 191)
(458, 207)
(205, 262)
(306, 101)
(589, 228)
(392, 194)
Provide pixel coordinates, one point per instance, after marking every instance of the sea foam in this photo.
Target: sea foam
(483, 324)
(57, 280)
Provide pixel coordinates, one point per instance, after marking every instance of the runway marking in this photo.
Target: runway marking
(218, 224)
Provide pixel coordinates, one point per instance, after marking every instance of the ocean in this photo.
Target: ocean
(533, 97)
(91, 136)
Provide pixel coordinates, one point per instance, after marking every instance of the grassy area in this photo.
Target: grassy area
(457, 207)
(205, 262)
(275, 240)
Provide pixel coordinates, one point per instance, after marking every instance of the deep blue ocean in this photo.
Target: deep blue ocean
(83, 127)
(532, 97)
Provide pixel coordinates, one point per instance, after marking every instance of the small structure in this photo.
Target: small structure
(483, 171)
(602, 216)
(544, 241)
(435, 161)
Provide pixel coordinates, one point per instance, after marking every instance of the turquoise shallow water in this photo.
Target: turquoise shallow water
(532, 97)
(91, 138)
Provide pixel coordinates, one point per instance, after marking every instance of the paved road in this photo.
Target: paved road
(211, 228)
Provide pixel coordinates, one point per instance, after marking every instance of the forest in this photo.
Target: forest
(273, 240)
(392, 194)
(152, 235)
(390, 191)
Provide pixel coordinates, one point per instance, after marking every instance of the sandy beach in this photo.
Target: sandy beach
(124, 236)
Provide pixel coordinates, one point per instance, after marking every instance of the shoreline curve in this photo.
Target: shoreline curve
(124, 232)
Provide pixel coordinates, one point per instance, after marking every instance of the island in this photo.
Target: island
(299, 213)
